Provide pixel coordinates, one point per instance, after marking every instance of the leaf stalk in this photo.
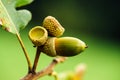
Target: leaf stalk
(25, 52)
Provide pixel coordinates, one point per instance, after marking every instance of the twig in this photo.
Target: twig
(45, 71)
(38, 52)
(55, 75)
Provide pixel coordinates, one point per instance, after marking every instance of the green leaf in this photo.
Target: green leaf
(13, 20)
(20, 3)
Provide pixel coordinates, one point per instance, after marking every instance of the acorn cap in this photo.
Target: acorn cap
(53, 27)
(38, 35)
(49, 47)
(69, 46)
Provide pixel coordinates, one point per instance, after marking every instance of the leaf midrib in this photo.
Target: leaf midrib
(9, 17)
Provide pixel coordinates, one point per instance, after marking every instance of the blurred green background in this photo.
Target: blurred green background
(96, 22)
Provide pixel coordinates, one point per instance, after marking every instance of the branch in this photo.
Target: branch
(38, 52)
(46, 71)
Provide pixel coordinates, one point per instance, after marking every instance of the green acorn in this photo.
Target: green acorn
(38, 35)
(53, 27)
(64, 46)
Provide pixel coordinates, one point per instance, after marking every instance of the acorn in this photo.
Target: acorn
(64, 46)
(53, 27)
(38, 35)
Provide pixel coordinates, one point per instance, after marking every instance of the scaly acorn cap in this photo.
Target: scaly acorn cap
(38, 35)
(53, 27)
(49, 47)
(64, 46)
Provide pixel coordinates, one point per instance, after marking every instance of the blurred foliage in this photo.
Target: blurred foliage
(95, 22)
(102, 58)
(99, 18)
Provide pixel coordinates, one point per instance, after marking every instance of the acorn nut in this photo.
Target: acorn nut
(38, 35)
(64, 46)
(69, 46)
(53, 27)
